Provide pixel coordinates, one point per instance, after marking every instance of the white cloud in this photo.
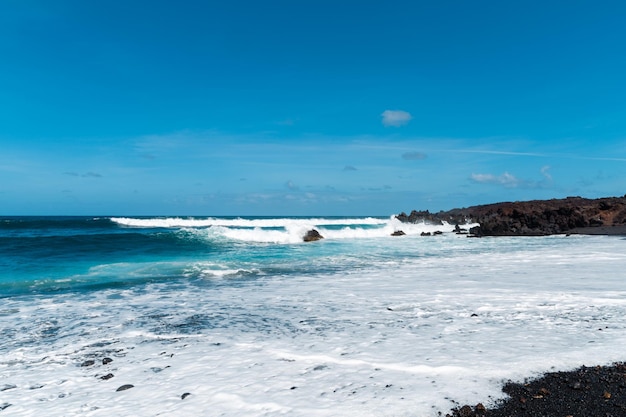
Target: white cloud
(511, 181)
(396, 118)
(506, 179)
(291, 185)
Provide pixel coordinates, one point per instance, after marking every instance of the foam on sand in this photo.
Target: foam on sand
(413, 335)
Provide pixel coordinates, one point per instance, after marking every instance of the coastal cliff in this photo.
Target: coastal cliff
(535, 218)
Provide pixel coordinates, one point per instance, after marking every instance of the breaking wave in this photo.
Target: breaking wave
(285, 230)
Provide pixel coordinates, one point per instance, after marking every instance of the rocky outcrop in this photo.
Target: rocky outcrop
(312, 235)
(422, 216)
(398, 233)
(533, 218)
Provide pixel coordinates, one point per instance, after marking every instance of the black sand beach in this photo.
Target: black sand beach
(598, 391)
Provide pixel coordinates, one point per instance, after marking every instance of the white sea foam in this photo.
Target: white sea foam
(289, 230)
(241, 222)
(401, 337)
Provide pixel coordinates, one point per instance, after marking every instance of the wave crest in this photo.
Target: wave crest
(283, 230)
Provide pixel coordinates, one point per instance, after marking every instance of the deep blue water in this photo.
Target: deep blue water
(47, 254)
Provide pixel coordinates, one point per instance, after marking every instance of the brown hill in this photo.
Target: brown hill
(535, 218)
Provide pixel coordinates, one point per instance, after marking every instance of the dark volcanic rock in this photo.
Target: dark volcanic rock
(312, 235)
(459, 230)
(596, 391)
(533, 218)
(106, 361)
(420, 216)
(125, 387)
(398, 233)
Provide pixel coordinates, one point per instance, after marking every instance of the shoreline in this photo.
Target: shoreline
(599, 231)
(585, 391)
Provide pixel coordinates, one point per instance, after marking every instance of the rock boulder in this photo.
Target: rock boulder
(312, 235)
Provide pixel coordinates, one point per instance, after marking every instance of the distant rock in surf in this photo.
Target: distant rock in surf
(459, 230)
(125, 387)
(398, 233)
(312, 235)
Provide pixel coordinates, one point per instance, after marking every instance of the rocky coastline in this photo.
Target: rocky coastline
(571, 215)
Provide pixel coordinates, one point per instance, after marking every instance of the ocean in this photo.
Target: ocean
(133, 316)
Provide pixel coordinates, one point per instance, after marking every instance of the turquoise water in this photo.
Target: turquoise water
(43, 254)
(39, 255)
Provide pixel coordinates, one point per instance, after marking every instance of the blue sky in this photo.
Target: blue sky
(307, 107)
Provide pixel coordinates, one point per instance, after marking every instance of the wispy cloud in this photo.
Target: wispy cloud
(396, 118)
(290, 184)
(383, 188)
(414, 156)
(85, 175)
(493, 152)
(508, 180)
(349, 168)
(154, 146)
